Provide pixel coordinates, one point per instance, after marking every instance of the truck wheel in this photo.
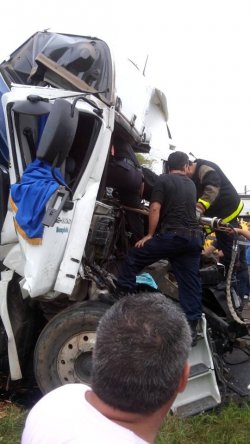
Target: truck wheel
(63, 351)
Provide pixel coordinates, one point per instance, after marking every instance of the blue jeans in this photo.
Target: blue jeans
(183, 253)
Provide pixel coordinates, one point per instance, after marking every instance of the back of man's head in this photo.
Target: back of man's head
(177, 160)
(141, 349)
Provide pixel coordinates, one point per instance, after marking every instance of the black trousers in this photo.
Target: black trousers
(183, 252)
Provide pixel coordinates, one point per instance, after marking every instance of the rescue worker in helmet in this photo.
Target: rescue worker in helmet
(217, 197)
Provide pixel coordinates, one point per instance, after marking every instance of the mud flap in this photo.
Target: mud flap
(15, 370)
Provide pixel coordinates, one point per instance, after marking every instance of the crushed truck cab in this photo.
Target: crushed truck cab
(78, 72)
(63, 232)
(62, 99)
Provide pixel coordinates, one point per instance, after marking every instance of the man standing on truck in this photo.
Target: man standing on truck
(178, 239)
(216, 198)
(126, 176)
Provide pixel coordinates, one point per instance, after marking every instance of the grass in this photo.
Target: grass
(230, 425)
(11, 423)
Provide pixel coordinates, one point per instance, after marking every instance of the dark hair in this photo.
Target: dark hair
(177, 160)
(142, 345)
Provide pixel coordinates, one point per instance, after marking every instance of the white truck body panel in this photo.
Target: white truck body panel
(140, 110)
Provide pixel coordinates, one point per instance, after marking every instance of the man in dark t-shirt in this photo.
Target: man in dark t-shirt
(178, 239)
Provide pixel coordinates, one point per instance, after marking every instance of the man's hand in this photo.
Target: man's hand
(142, 241)
(232, 230)
(199, 210)
(153, 219)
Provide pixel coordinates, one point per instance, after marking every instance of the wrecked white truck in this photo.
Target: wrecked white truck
(62, 99)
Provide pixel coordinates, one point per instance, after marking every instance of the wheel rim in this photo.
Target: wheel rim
(75, 357)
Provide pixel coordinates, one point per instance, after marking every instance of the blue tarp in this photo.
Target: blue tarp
(29, 199)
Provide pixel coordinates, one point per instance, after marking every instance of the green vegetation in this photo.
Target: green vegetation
(11, 423)
(145, 160)
(230, 425)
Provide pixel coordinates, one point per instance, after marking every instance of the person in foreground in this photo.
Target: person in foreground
(139, 366)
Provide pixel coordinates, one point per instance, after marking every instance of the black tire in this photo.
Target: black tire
(63, 351)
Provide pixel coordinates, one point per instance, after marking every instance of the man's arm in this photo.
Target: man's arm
(154, 217)
(210, 182)
(242, 232)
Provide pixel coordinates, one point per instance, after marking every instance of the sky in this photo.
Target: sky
(198, 55)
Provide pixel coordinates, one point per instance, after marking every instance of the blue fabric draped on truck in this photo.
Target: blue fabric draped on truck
(29, 198)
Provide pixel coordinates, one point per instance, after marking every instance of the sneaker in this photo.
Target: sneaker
(246, 300)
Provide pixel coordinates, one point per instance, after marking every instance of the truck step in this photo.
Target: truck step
(198, 406)
(198, 369)
(202, 391)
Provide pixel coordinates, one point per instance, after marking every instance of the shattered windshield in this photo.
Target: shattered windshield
(63, 61)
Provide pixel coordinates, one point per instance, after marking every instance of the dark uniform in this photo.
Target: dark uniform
(179, 240)
(150, 179)
(242, 271)
(219, 199)
(125, 175)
